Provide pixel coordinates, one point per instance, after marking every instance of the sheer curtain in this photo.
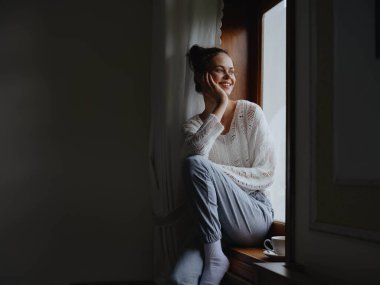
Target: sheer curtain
(177, 26)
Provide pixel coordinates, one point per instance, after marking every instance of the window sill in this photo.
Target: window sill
(242, 269)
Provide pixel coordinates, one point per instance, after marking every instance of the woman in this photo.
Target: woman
(230, 161)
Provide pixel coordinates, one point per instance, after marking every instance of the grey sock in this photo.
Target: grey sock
(216, 264)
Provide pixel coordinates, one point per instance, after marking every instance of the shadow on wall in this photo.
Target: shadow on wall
(74, 109)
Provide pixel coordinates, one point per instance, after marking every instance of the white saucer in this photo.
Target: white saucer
(270, 253)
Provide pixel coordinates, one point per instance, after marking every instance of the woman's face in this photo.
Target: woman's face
(223, 72)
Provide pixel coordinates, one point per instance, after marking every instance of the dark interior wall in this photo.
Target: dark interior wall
(74, 106)
(335, 258)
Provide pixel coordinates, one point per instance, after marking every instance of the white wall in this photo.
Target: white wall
(274, 96)
(74, 201)
(337, 258)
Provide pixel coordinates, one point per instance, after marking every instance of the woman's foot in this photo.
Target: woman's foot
(216, 264)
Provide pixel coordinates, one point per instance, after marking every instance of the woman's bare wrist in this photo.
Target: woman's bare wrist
(220, 109)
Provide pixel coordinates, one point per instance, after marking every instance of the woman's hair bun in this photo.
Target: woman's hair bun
(199, 60)
(195, 56)
(199, 57)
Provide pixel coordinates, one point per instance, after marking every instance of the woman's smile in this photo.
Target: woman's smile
(225, 85)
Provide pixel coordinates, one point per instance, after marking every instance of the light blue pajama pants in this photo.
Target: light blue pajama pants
(224, 211)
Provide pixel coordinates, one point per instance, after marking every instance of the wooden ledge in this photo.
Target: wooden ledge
(242, 259)
(252, 255)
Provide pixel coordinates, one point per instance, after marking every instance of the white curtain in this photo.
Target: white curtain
(178, 24)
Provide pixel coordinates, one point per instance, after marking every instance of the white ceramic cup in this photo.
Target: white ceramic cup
(277, 245)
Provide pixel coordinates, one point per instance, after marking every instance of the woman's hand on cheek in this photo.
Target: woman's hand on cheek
(213, 89)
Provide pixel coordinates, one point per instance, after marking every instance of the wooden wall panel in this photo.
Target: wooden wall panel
(239, 38)
(234, 40)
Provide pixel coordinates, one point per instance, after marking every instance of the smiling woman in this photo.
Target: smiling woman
(229, 163)
(222, 72)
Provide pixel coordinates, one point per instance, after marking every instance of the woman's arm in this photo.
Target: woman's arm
(199, 140)
(262, 154)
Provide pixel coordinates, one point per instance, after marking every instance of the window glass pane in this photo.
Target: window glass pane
(274, 95)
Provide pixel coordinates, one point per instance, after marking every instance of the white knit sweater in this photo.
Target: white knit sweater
(245, 153)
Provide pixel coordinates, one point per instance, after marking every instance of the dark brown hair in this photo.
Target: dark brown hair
(199, 60)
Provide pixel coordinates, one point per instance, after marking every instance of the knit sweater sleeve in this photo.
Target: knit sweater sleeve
(199, 138)
(261, 151)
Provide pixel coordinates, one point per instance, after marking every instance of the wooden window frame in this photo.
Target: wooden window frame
(265, 7)
(249, 17)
